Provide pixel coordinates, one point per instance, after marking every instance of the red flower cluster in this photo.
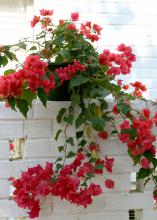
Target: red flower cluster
(139, 88)
(44, 12)
(120, 63)
(11, 85)
(45, 21)
(75, 16)
(138, 136)
(103, 135)
(90, 31)
(38, 181)
(33, 72)
(66, 73)
(34, 182)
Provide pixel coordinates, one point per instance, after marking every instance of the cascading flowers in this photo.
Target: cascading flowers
(89, 78)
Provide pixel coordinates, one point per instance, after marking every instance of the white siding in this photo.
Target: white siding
(14, 20)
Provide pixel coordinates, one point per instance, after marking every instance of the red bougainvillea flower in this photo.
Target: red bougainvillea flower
(103, 135)
(125, 87)
(35, 20)
(146, 112)
(119, 82)
(155, 119)
(109, 183)
(119, 63)
(108, 164)
(99, 166)
(61, 22)
(46, 21)
(67, 72)
(94, 147)
(75, 16)
(124, 137)
(125, 125)
(155, 194)
(115, 110)
(71, 26)
(11, 146)
(44, 12)
(145, 163)
(10, 179)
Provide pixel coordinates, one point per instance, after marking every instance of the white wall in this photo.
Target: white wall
(14, 20)
(130, 21)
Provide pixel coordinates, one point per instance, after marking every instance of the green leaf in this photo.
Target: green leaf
(99, 92)
(57, 134)
(69, 119)
(79, 121)
(28, 96)
(136, 159)
(90, 175)
(143, 173)
(58, 167)
(71, 154)
(9, 71)
(75, 99)
(114, 132)
(60, 114)
(61, 148)
(78, 80)
(11, 102)
(98, 124)
(42, 96)
(151, 158)
(33, 48)
(132, 132)
(70, 140)
(79, 134)
(22, 106)
(11, 55)
(65, 53)
(99, 166)
(82, 143)
(122, 107)
(22, 45)
(59, 159)
(3, 61)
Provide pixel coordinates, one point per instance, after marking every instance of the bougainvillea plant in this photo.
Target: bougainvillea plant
(89, 77)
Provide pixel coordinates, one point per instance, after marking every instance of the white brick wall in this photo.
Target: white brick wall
(40, 147)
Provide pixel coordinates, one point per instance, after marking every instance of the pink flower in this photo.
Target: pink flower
(145, 163)
(103, 135)
(124, 137)
(119, 82)
(11, 146)
(125, 125)
(146, 112)
(75, 16)
(108, 164)
(44, 12)
(95, 189)
(61, 22)
(36, 19)
(109, 183)
(71, 26)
